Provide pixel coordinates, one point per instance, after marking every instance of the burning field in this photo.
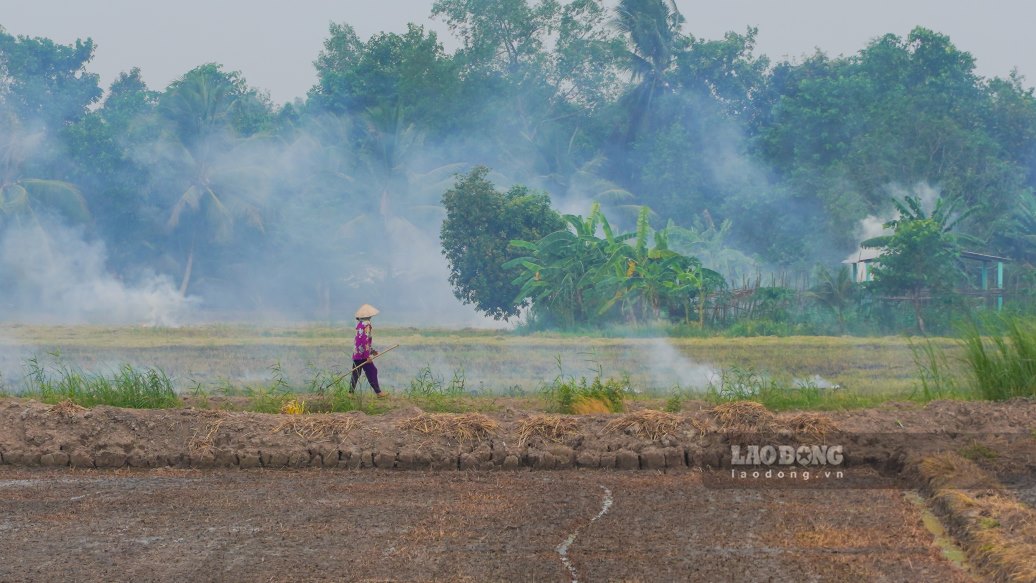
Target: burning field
(117, 494)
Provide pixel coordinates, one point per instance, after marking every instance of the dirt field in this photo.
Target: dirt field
(189, 495)
(304, 525)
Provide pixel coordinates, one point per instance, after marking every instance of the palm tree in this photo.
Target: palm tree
(216, 185)
(654, 39)
(835, 292)
(23, 197)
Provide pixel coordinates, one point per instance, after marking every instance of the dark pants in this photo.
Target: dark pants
(368, 369)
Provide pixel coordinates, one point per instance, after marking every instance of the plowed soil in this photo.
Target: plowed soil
(308, 525)
(188, 495)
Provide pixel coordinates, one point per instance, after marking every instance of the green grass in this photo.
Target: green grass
(436, 369)
(779, 393)
(1001, 356)
(130, 387)
(568, 395)
(431, 393)
(976, 451)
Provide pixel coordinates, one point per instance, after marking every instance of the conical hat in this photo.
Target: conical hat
(366, 311)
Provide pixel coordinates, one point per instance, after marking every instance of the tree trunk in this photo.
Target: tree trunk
(920, 319)
(186, 281)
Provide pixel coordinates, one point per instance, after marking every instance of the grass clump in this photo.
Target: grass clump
(937, 376)
(738, 383)
(1000, 355)
(976, 451)
(130, 387)
(674, 403)
(595, 396)
(316, 427)
(742, 414)
(432, 393)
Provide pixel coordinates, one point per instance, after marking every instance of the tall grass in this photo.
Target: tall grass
(433, 393)
(131, 387)
(1001, 356)
(937, 376)
(778, 394)
(598, 395)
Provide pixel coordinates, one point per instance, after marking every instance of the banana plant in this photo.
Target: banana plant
(587, 271)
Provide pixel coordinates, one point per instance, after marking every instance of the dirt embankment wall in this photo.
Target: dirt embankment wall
(35, 434)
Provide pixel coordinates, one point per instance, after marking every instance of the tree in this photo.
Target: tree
(576, 276)
(920, 260)
(25, 197)
(410, 73)
(208, 112)
(104, 148)
(47, 82)
(476, 234)
(505, 36)
(835, 292)
(652, 31)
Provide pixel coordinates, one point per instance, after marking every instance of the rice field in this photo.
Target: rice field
(221, 357)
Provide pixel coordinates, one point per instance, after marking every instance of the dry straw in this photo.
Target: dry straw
(809, 424)
(66, 408)
(646, 424)
(198, 443)
(547, 427)
(316, 427)
(743, 415)
(464, 427)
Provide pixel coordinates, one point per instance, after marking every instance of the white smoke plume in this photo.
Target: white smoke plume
(873, 226)
(51, 274)
(668, 367)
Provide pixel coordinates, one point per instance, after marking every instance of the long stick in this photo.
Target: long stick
(369, 359)
(339, 378)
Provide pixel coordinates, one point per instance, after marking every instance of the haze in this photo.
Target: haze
(274, 43)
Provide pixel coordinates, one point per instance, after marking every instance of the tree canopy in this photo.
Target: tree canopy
(742, 159)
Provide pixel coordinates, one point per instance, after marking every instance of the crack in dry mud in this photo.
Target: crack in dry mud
(563, 547)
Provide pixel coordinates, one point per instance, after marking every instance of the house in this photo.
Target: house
(978, 264)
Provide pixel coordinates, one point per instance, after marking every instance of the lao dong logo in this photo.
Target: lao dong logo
(786, 455)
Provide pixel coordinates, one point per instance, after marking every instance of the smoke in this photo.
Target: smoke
(53, 275)
(873, 226)
(667, 366)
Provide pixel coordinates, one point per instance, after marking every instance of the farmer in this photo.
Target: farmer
(363, 351)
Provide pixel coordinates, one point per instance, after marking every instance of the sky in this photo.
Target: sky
(273, 43)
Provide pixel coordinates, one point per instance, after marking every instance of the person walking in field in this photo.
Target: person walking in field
(364, 351)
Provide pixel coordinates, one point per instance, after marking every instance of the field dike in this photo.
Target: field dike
(997, 532)
(36, 434)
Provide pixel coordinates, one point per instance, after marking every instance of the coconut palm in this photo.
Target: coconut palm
(835, 292)
(652, 28)
(210, 162)
(23, 197)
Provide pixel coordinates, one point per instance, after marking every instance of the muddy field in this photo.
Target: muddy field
(195, 495)
(304, 525)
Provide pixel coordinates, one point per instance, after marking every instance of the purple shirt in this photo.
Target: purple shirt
(364, 339)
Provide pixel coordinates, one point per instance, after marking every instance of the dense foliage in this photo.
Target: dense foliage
(747, 164)
(476, 235)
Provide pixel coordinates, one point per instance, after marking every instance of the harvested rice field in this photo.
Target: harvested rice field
(109, 494)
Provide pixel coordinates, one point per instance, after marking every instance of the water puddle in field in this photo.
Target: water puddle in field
(950, 550)
(562, 548)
